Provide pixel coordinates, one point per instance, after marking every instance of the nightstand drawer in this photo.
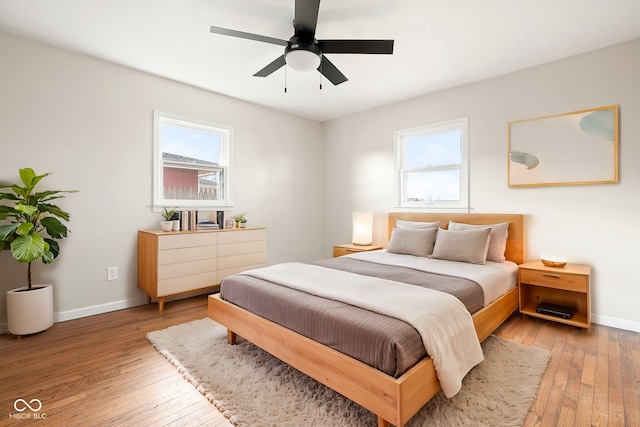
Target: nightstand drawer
(341, 250)
(559, 280)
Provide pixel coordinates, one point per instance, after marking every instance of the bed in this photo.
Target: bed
(393, 398)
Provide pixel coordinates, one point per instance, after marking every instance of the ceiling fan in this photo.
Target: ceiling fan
(302, 52)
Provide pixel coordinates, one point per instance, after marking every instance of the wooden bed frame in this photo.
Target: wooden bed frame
(393, 400)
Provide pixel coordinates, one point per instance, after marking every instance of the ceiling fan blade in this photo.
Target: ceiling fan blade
(306, 18)
(249, 36)
(275, 65)
(356, 46)
(331, 72)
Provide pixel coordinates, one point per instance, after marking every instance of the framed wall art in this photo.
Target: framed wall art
(565, 149)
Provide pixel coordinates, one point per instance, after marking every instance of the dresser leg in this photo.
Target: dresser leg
(160, 304)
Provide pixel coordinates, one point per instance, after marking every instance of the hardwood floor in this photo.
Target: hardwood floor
(101, 371)
(593, 378)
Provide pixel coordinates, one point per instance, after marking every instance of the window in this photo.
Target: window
(432, 166)
(191, 163)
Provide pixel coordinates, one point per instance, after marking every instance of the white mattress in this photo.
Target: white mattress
(495, 278)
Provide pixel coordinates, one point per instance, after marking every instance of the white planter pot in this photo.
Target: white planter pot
(31, 311)
(166, 225)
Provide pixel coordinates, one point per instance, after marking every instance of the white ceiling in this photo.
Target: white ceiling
(438, 44)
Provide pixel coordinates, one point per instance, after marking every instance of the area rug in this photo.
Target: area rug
(252, 388)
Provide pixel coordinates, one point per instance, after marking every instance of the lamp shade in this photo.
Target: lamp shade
(362, 228)
(302, 60)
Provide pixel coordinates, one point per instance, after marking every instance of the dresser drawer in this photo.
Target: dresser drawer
(177, 256)
(557, 280)
(172, 271)
(242, 248)
(241, 236)
(178, 285)
(242, 260)
(187, 240)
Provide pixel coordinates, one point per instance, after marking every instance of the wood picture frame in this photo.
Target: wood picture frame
(574, 148)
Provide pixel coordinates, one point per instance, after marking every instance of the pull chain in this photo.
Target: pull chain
(285, 79)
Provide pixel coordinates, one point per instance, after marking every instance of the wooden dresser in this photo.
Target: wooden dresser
(177, 262)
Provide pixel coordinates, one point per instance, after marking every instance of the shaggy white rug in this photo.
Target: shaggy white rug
(252, 388)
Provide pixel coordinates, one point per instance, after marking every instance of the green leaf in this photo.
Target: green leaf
(26, 209)
(28, 248)
(7, 209)
(54, 210)
(21, 192)
(46, 195)
(54, 248)
(26, 176)
(8, 196)
(54, 227)
(7, 230)
(48, 256)
(6, 212)
(24, 229)
(35, 180)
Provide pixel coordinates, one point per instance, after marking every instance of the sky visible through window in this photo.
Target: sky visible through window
(433, 150)
(428, 151)
(193, 143)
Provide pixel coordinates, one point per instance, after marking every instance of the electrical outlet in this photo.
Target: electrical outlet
(112, 273)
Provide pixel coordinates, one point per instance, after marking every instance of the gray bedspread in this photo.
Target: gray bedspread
(390, 345)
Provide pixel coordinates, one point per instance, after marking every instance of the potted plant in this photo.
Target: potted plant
(240, 220)
(167, 224)
(31, 234)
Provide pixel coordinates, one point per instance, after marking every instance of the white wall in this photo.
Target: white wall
(90, 123)
(594, 224)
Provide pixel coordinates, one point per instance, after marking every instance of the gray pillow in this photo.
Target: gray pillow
(498, 243)
(414, 224)
(462, 245)
(412, 241)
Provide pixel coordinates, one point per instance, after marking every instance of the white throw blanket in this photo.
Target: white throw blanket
(445, 325)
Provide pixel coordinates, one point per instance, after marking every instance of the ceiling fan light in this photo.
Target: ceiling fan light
(302, 60)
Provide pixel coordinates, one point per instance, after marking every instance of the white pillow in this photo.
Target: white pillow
(498, 243)
(462, 245)
(412, 241)
(413, 224)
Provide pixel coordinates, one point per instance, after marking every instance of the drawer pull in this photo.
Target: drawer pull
(555, 276)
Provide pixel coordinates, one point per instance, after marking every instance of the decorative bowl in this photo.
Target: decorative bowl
(550, 263)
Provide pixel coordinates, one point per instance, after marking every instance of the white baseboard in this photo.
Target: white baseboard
(614, 322)
(63, 316)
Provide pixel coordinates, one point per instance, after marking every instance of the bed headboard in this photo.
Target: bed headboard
(515, 241)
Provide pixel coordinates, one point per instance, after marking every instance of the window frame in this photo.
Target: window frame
(400, 137)
(225, 164)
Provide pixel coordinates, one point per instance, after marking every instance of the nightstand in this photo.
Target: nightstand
(564, 286)
(340, 250)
